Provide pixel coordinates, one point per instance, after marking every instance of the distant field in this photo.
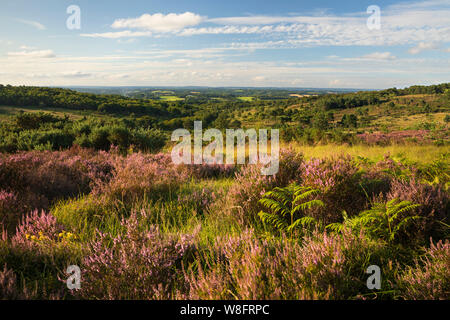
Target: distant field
(247, 99)
(6, 111)
(170, 98)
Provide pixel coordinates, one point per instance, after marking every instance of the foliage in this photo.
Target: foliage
(383, 221)
(288, 207)
(429, 277)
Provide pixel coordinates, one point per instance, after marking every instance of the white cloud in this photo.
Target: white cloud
(259, 78)
(379, 56)
(33, 54)
(75, 74)
(335, 82)
(24, 47)
(160, 22)
(423, 46)
(404, 24)
(34, 24)
(117, 35)
(157, 69)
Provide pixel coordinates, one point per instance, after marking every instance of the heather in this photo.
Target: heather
(141, 227)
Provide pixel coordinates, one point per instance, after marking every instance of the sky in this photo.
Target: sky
(238, 43)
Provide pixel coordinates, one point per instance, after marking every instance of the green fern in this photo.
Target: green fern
(383, 220)
(287, 207)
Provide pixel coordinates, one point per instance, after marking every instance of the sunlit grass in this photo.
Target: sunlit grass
(170, 98)
(415, 153)
(247, 99)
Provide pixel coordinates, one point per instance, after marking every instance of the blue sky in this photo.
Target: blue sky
(225, 43)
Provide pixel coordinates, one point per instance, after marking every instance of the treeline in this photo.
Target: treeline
(364, 98)
(44, 131)
(433, 89)
(347, 101)
(23, 96)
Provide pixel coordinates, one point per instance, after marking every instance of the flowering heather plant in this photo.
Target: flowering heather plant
(8, 211)
(429, 278)
(381, 138)
(37, 226)
(250, 185)
(39, 178)
(394, 169)
(139, 175)
(200, 200)
(39, 251)
(338, 180)
(207, 171)
(433, 209)
(140, 264)
(8, 286)
(324, 267)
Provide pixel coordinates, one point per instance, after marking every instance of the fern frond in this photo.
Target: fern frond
(307, 205)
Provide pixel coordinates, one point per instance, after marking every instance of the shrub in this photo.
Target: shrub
(324, 267)
(142, 175)
(150, 140)
(8, 212)
(34, 180)
(339, 181)
(199, 200)
(8, 285)
(38, 253)
(251, 185)
(140, 264)
(433, 209)
(429, 278)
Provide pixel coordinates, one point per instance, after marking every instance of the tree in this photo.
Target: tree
(320, 121)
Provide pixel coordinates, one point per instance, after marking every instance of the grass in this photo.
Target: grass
(417, 153)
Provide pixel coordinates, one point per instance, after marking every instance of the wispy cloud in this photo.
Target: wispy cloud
(76, 74)
(379, 56)
(427, 21)
(32, 54)
(117, 35)
(34, 24)
(423, 46)
(160, 22)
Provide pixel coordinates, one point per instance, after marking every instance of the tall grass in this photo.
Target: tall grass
(424, 154)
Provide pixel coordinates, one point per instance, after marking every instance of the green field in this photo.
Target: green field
(170, 98)
(246, 99)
